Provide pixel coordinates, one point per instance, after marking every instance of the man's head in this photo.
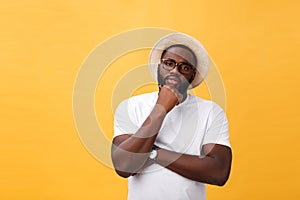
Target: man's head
(170, 56)
(177, 67)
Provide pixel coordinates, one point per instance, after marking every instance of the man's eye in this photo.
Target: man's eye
(169, 63)
(185, 68)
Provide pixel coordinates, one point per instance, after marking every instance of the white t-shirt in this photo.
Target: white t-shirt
(185, 129)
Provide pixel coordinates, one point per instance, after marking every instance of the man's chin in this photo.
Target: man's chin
(181, 89)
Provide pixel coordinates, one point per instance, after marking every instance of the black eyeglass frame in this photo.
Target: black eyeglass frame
(179, 65)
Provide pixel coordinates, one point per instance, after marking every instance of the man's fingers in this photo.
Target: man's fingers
(176, 92)
(160, 86)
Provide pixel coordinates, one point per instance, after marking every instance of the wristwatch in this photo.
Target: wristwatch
(154, 153)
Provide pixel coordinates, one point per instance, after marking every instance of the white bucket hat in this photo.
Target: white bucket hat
(203, 60)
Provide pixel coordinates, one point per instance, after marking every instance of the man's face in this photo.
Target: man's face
(174, 78)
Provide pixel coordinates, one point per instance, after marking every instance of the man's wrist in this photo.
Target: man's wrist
(158, 111)
(154, 153)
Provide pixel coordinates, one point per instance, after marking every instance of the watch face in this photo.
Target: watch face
(153, 154)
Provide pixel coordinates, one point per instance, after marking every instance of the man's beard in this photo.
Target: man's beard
(182, 88)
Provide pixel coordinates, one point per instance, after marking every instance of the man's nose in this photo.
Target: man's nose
(175, 70)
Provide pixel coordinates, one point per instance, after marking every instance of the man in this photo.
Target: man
(170, 143)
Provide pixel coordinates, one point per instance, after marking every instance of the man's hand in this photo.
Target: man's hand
(168, 97)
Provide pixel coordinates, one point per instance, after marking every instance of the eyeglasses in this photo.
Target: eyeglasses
(183, 68)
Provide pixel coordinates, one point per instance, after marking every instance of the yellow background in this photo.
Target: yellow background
(255, 45)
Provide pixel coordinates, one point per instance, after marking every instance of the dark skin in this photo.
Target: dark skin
(130, 151)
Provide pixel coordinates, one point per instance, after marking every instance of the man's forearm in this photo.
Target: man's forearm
(130, 154)
(213, 168)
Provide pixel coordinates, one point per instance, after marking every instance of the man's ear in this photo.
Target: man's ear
(193, 76)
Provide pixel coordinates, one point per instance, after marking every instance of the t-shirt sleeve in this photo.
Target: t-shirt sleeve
(217, 127)
(124, 122)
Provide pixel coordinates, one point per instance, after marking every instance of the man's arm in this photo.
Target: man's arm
(213, 168)
(130, 151)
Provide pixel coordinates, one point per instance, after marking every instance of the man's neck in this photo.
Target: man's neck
(184, 97)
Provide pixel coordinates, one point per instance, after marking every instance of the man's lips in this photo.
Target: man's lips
(172, 80)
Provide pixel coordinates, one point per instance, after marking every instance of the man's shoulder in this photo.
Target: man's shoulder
(199, 100)
(203, 102)
(139, 100)
(144, 97)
